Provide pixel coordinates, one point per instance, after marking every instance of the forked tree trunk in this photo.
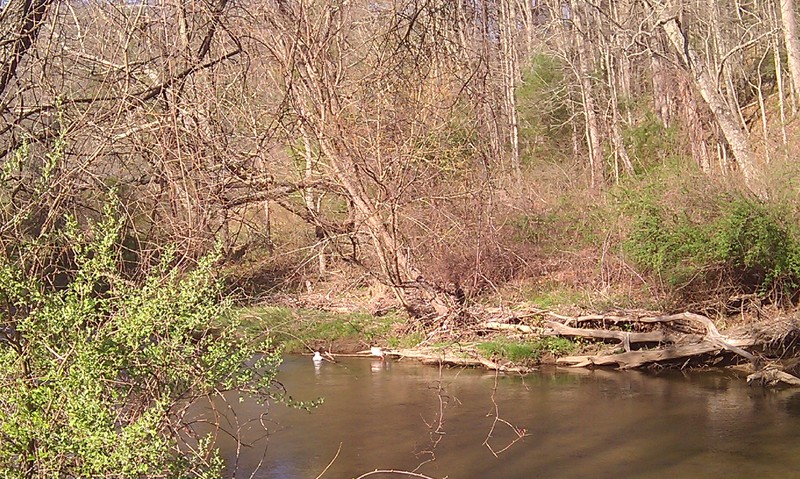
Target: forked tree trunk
(510, 71)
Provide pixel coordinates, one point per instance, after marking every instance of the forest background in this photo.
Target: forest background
(436, 152)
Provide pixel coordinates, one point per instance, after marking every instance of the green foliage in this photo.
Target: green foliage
(672, 246)
(526, 352)
(757, 240)
(557, 346)
(542, 103)
(96, 374)
(649, 143)
(750, 242)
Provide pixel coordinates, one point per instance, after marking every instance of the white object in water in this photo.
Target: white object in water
(376, 351)
(317, 356)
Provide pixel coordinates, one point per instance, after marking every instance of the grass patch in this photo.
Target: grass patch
(405, 342)
(551, 296)
(526, 352)
(297, 330)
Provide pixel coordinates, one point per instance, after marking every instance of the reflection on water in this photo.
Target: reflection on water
(598, 424)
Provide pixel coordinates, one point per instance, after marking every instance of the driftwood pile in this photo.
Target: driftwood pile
(636, 339)
(646, 339)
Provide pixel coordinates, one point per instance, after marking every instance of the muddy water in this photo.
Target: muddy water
(601, 424)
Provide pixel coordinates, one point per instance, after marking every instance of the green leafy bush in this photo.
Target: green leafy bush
(758, 242)
(751, 245)
(97, 374)
(649, 142)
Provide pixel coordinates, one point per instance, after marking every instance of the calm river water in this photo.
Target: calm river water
(578, 424)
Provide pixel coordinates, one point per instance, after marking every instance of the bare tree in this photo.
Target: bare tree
(735, 135)
(591, 117)
(789, 27)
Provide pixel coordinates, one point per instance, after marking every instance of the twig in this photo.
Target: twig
(438, 433)
(394, 471)
(520, 432)
(330, 463)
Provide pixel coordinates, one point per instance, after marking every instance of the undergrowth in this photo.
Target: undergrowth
(716, 242)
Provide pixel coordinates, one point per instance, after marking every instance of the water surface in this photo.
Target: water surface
(454, 422)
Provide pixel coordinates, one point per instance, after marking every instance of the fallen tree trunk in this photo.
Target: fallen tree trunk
(466, 358)
(557, 329)
(773, 377)
(635, 359)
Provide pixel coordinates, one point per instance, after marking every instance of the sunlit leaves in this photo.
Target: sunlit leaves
(96, 372)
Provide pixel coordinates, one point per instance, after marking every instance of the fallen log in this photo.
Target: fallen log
(470, 359)
(773, 377)
(674, 343)
(635, 359)
(557, 329)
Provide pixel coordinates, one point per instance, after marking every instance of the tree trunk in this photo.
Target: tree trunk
(20, 22)
(735, 135)
(789, 27)
(776, 58)
(592, 124)
(662, 96)
(510, 71)
(614, 79)
(312, 201)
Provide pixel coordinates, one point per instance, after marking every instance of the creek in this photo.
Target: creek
(577, 423)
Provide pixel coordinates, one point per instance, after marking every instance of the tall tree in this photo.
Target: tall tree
(586, 61)
(789, 27)
(732, 129)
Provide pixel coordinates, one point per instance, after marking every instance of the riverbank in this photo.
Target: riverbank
(522, 336)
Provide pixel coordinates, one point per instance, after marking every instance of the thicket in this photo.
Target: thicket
(98, 370)
(733, 243)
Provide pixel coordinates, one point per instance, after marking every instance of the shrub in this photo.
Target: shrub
(759, 245)
(97, 374)
(733, 240)
(649, 142)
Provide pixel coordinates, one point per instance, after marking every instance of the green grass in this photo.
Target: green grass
(405, 342)
(552, 296)
(293, 329)
(526, 352)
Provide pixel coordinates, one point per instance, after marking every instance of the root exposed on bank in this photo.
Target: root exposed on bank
(639, 339)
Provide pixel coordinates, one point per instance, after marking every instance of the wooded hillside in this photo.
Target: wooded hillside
(440, 148)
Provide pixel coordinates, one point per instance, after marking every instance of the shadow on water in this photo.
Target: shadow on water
(599, 424)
